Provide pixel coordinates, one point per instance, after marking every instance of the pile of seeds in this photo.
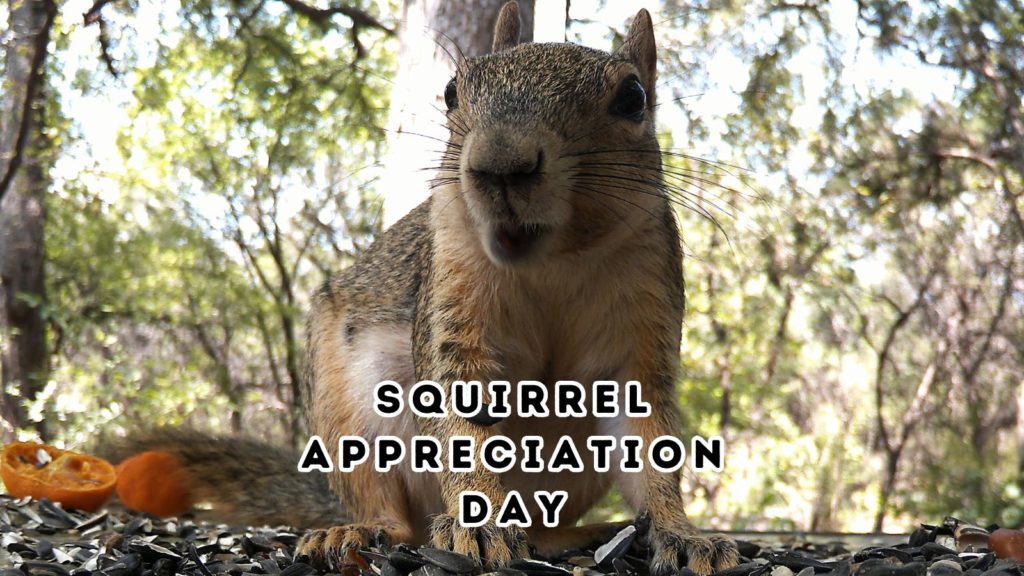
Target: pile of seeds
(41, 539)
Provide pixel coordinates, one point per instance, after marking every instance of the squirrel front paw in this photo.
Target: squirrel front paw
(329, 548)
(490, 544)
(704, 554)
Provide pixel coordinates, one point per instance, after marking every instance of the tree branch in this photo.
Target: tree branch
(1004, 296)
(359, 18)
(902, 317)
(94, 16)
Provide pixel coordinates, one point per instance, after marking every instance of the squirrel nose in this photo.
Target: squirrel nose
(514, 174)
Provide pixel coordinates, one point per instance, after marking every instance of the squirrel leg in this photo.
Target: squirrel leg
(344, 367)
(657, 497)
(492, 545)
(449, 344)
(329, 548)
(378, 515)
(673, 541)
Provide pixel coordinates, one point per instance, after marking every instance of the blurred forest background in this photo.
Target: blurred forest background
(176, 177)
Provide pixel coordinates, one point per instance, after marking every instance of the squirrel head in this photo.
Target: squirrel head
(552, 148)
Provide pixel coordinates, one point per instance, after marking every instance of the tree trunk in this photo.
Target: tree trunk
(888, 484)
(23, 182)
(294, 374)
(433, 35)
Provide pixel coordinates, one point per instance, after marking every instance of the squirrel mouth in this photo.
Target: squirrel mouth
(512, 242)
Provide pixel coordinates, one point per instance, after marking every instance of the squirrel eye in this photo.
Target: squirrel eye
(451, 96)
(631, 100)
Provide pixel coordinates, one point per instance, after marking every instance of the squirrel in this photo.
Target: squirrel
(548, 251)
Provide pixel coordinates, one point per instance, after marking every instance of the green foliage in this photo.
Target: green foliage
(854, 241)
(857, 226)
(178, 275)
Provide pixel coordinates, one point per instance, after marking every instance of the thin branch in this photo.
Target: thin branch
(913, 416)
(94, 16)
(268, 345)
(307, 242)
(780, 336)
(972, 370)
(883, 356)
(359, 18)
(967, 154)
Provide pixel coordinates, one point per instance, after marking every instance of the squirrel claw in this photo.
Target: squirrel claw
(493, 546)
(330, 548)
(705, 555)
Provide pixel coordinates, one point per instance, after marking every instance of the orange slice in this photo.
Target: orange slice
(42, 471)
(153, 482)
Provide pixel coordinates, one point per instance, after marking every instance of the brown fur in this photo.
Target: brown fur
(506, 29)
(454, 292)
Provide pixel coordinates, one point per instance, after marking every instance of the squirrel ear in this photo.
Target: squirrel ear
(639, 48)
(506, 29)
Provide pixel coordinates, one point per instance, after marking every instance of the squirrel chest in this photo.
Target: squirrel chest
(548, 251)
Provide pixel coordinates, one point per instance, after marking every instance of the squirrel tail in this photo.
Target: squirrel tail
(246, 482)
